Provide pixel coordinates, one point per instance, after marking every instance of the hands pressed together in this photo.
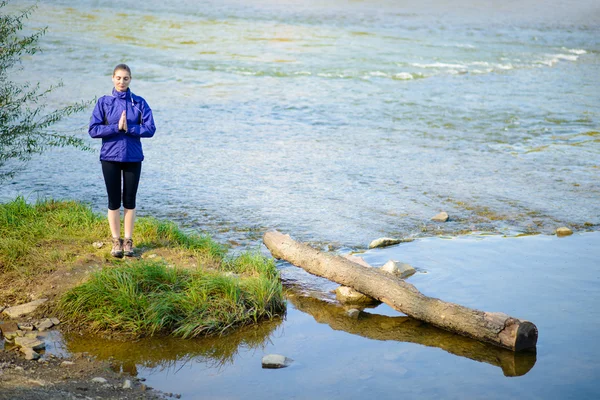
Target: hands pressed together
(123, 122)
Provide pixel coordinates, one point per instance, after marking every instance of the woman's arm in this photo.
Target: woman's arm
(146, 129)
(97, 128)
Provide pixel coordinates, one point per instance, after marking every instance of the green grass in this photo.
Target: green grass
(151, 298)
(195, 289)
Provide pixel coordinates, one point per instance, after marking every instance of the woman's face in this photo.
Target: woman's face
(121, 79)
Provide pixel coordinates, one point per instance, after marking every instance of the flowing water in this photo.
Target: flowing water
(339, 122)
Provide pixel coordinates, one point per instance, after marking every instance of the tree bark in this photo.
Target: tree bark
(492, 327)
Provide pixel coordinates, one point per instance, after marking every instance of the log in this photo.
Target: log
(492, 327)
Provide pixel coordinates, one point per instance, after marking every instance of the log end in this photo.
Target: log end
(526, 336)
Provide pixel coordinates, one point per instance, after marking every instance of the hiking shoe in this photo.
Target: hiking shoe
(128, 247)
(117, 248)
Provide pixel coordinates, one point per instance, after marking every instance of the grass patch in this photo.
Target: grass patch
(150, 298)
(193, 287)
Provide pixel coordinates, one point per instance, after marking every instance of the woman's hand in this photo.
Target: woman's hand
(123, 122)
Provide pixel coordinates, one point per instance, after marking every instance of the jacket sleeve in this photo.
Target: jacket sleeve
(146, 129)
(97, 128)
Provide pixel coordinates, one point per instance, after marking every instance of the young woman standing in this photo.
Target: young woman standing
(120, 120)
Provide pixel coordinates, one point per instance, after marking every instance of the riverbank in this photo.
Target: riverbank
(57, 253)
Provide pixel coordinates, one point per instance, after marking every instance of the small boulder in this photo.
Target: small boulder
(44, 324)
(31, 343)
(24, 309)
(99, 379)
(347, 295)
(25, 326)
(276, 361)
(441, 217)
(399, 269)
(55, 321)
(563, 231)
(357, 260)
(9, 328)
(30, 354)
(384, 242)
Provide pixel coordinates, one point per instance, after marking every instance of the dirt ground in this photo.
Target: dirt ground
(51, 377)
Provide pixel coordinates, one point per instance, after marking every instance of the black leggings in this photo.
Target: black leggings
(112, 178)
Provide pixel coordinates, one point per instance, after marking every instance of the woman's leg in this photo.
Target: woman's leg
(131, 180)
(112, 178)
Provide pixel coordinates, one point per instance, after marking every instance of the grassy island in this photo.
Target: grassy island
(179, 284)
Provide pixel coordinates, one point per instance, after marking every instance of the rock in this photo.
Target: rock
(66, 363)
(8, 328)
(151, 256)
(99, 379)
(55, 321)
(384, 242)
(276, 361)
(30, 354)
(347, 295)
(2, 309)
(44, 324)
(127, 384)
(25, 326)
(98, 245)
(563, 231)
(357, 260)
(441, 217)
(399, 269)
(31, 343)
(24, 309)
(353, 313)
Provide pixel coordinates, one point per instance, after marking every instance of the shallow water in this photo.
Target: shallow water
(337, 121)
(553, 282)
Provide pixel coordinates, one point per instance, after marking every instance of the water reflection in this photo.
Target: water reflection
(165, 353)
(406, 329)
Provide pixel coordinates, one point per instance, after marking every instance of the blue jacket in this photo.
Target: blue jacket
(122, 146)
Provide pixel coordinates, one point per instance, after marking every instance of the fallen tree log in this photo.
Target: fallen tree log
(492, 327)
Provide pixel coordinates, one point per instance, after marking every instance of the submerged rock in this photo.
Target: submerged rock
(384, 242)
(347, 295)
(276, 361)
(24, 309)
(441, 217)
(357, 260)
(399, 269)
(564, 231)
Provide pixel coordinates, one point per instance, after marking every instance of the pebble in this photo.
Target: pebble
(441, 217)
(127, 384)
(99, 379)
(564, 231)
(384, 242)
(274, 361)
(399, 269)
(66, 363)
(55, 321)
(98, 245)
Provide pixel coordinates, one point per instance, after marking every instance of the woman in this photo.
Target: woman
(120, 120)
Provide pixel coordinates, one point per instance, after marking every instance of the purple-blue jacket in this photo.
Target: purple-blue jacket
(122, 146)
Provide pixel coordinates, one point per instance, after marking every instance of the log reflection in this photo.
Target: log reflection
(406, 329)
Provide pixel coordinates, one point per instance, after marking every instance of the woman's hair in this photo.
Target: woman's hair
(123, 67)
